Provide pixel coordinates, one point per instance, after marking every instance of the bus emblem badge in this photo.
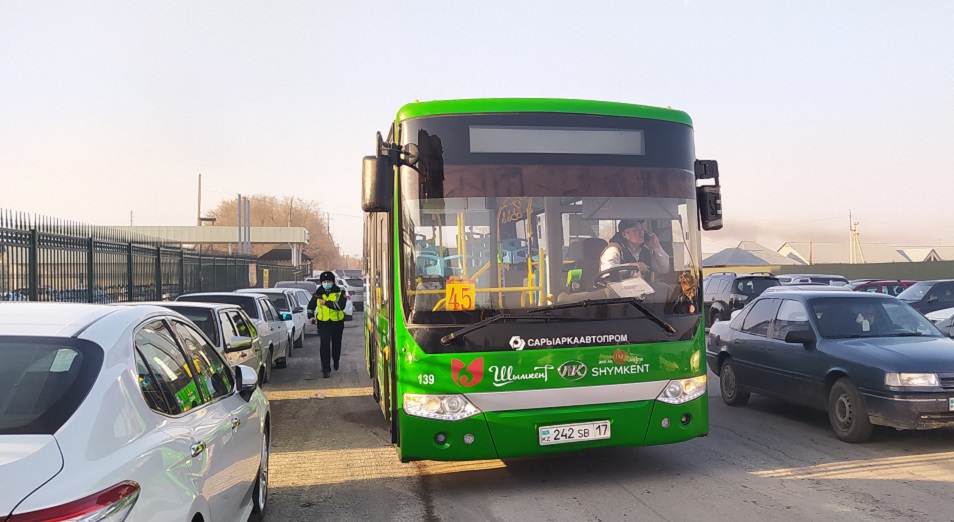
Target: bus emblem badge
(473, 374)
(517, 342)
(572, 370)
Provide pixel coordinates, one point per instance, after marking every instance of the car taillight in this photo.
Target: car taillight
(109, 505)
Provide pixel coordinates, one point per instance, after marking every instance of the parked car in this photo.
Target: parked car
(943, 319)
(286, 302)
(724, 292)
(229, 329)
(866, 359)
(928, 296)
(268, 322)
(354, 286)
(884, 286)
(117, 413)
(815, 287)
(309, 286)
(825, 279)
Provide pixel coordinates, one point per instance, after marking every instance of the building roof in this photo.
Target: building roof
(925, 253)
(766, 253)
(820, 252)
(281, 254)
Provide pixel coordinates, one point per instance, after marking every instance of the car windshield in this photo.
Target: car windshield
(43, 381)
(916, 291)
(869, 317)
(354, 282)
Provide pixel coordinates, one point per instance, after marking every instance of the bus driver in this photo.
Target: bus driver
(632, 246)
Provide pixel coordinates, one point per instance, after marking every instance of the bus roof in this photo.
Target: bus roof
(558, 105)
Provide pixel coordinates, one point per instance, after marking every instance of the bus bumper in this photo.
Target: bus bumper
(508, 434)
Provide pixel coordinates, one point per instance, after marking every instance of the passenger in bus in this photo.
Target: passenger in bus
(634, 245)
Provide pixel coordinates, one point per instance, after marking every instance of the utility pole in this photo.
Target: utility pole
(855, 253)
(198, 212)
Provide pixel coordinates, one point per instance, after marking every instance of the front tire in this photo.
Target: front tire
(714, 318)
(847, 412)
(732, 393)
(260, 491)
(300, 341)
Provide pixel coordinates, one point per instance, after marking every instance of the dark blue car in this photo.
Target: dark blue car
(867, 359)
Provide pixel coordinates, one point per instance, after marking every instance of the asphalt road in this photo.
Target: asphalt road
(332, 460)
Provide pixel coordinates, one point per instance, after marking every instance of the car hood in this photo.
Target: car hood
(31, 461)
(903, 354)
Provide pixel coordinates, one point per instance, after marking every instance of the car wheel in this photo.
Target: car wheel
(732, 393)
(260, 491)
(301, 339)
(847, 412)
(288, 347)
(282, 363)
(716, 317)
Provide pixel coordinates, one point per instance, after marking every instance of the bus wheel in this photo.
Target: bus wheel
(732, 393)
(376, 389)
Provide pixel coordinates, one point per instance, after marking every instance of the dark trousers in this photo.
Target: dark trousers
(330, 333)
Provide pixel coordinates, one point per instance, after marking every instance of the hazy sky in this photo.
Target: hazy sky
(811, 108)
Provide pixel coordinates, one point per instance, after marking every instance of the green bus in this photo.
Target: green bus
(503, 316)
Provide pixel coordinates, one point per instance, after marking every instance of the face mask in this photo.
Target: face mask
(326, 286)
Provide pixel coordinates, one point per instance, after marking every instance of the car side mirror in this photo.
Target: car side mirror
(247, 381)
(238, 343)
(298, 310)
(932, 299)
(800, 336)
(286, 316)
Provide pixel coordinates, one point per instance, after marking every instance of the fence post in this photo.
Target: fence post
(181, 271)
(129, 271)
(89, 270)
(33, 259)
(158, 267)
(201, 275)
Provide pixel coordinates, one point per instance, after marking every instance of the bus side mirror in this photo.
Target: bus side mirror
(377, 181)
(709, 197)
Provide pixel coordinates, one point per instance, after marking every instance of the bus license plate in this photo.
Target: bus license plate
(574, 432)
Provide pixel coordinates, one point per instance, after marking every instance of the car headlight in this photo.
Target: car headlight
(440, 407)
(683, 390)
(911, 379)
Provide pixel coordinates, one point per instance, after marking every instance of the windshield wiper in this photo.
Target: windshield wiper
(670, 329)
(449, 338)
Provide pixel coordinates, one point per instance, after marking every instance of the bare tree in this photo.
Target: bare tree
(269, 211)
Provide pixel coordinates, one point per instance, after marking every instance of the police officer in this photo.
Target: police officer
(327, 306)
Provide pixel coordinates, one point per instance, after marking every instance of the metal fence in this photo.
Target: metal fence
(48, 259)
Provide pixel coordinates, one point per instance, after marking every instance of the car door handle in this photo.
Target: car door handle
(236, 422)
(197, 448)
(736, 341)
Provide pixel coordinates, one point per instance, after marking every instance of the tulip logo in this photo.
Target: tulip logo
(473, 374)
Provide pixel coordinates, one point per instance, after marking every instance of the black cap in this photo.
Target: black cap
(327, 276)
(628, 223)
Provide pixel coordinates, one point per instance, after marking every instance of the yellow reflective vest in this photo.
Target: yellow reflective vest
(323, 312)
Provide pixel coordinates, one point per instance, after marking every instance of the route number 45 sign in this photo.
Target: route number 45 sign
(460, 295)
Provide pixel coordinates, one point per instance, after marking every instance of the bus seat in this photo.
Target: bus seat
(585, 254)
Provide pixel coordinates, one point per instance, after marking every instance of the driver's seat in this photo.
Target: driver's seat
(585, 253)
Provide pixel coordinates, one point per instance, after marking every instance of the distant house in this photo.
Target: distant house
(815, 253)
(747, 253)
(919, 253)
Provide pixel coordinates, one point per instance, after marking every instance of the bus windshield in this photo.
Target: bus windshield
(499, 218)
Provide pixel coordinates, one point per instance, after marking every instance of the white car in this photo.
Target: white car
(286, 302)
(113, 413)
(268, 321)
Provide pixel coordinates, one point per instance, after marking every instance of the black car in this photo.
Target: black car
(724, 292)
(867, 359)
(928, 296)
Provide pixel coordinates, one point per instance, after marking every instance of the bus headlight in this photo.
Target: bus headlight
(440, 407)
(680, 391)
(910, 379)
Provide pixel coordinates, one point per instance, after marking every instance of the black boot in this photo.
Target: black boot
(326, 374)
(336, 365)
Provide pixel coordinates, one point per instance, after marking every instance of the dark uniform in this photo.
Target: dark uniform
(330, 320)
